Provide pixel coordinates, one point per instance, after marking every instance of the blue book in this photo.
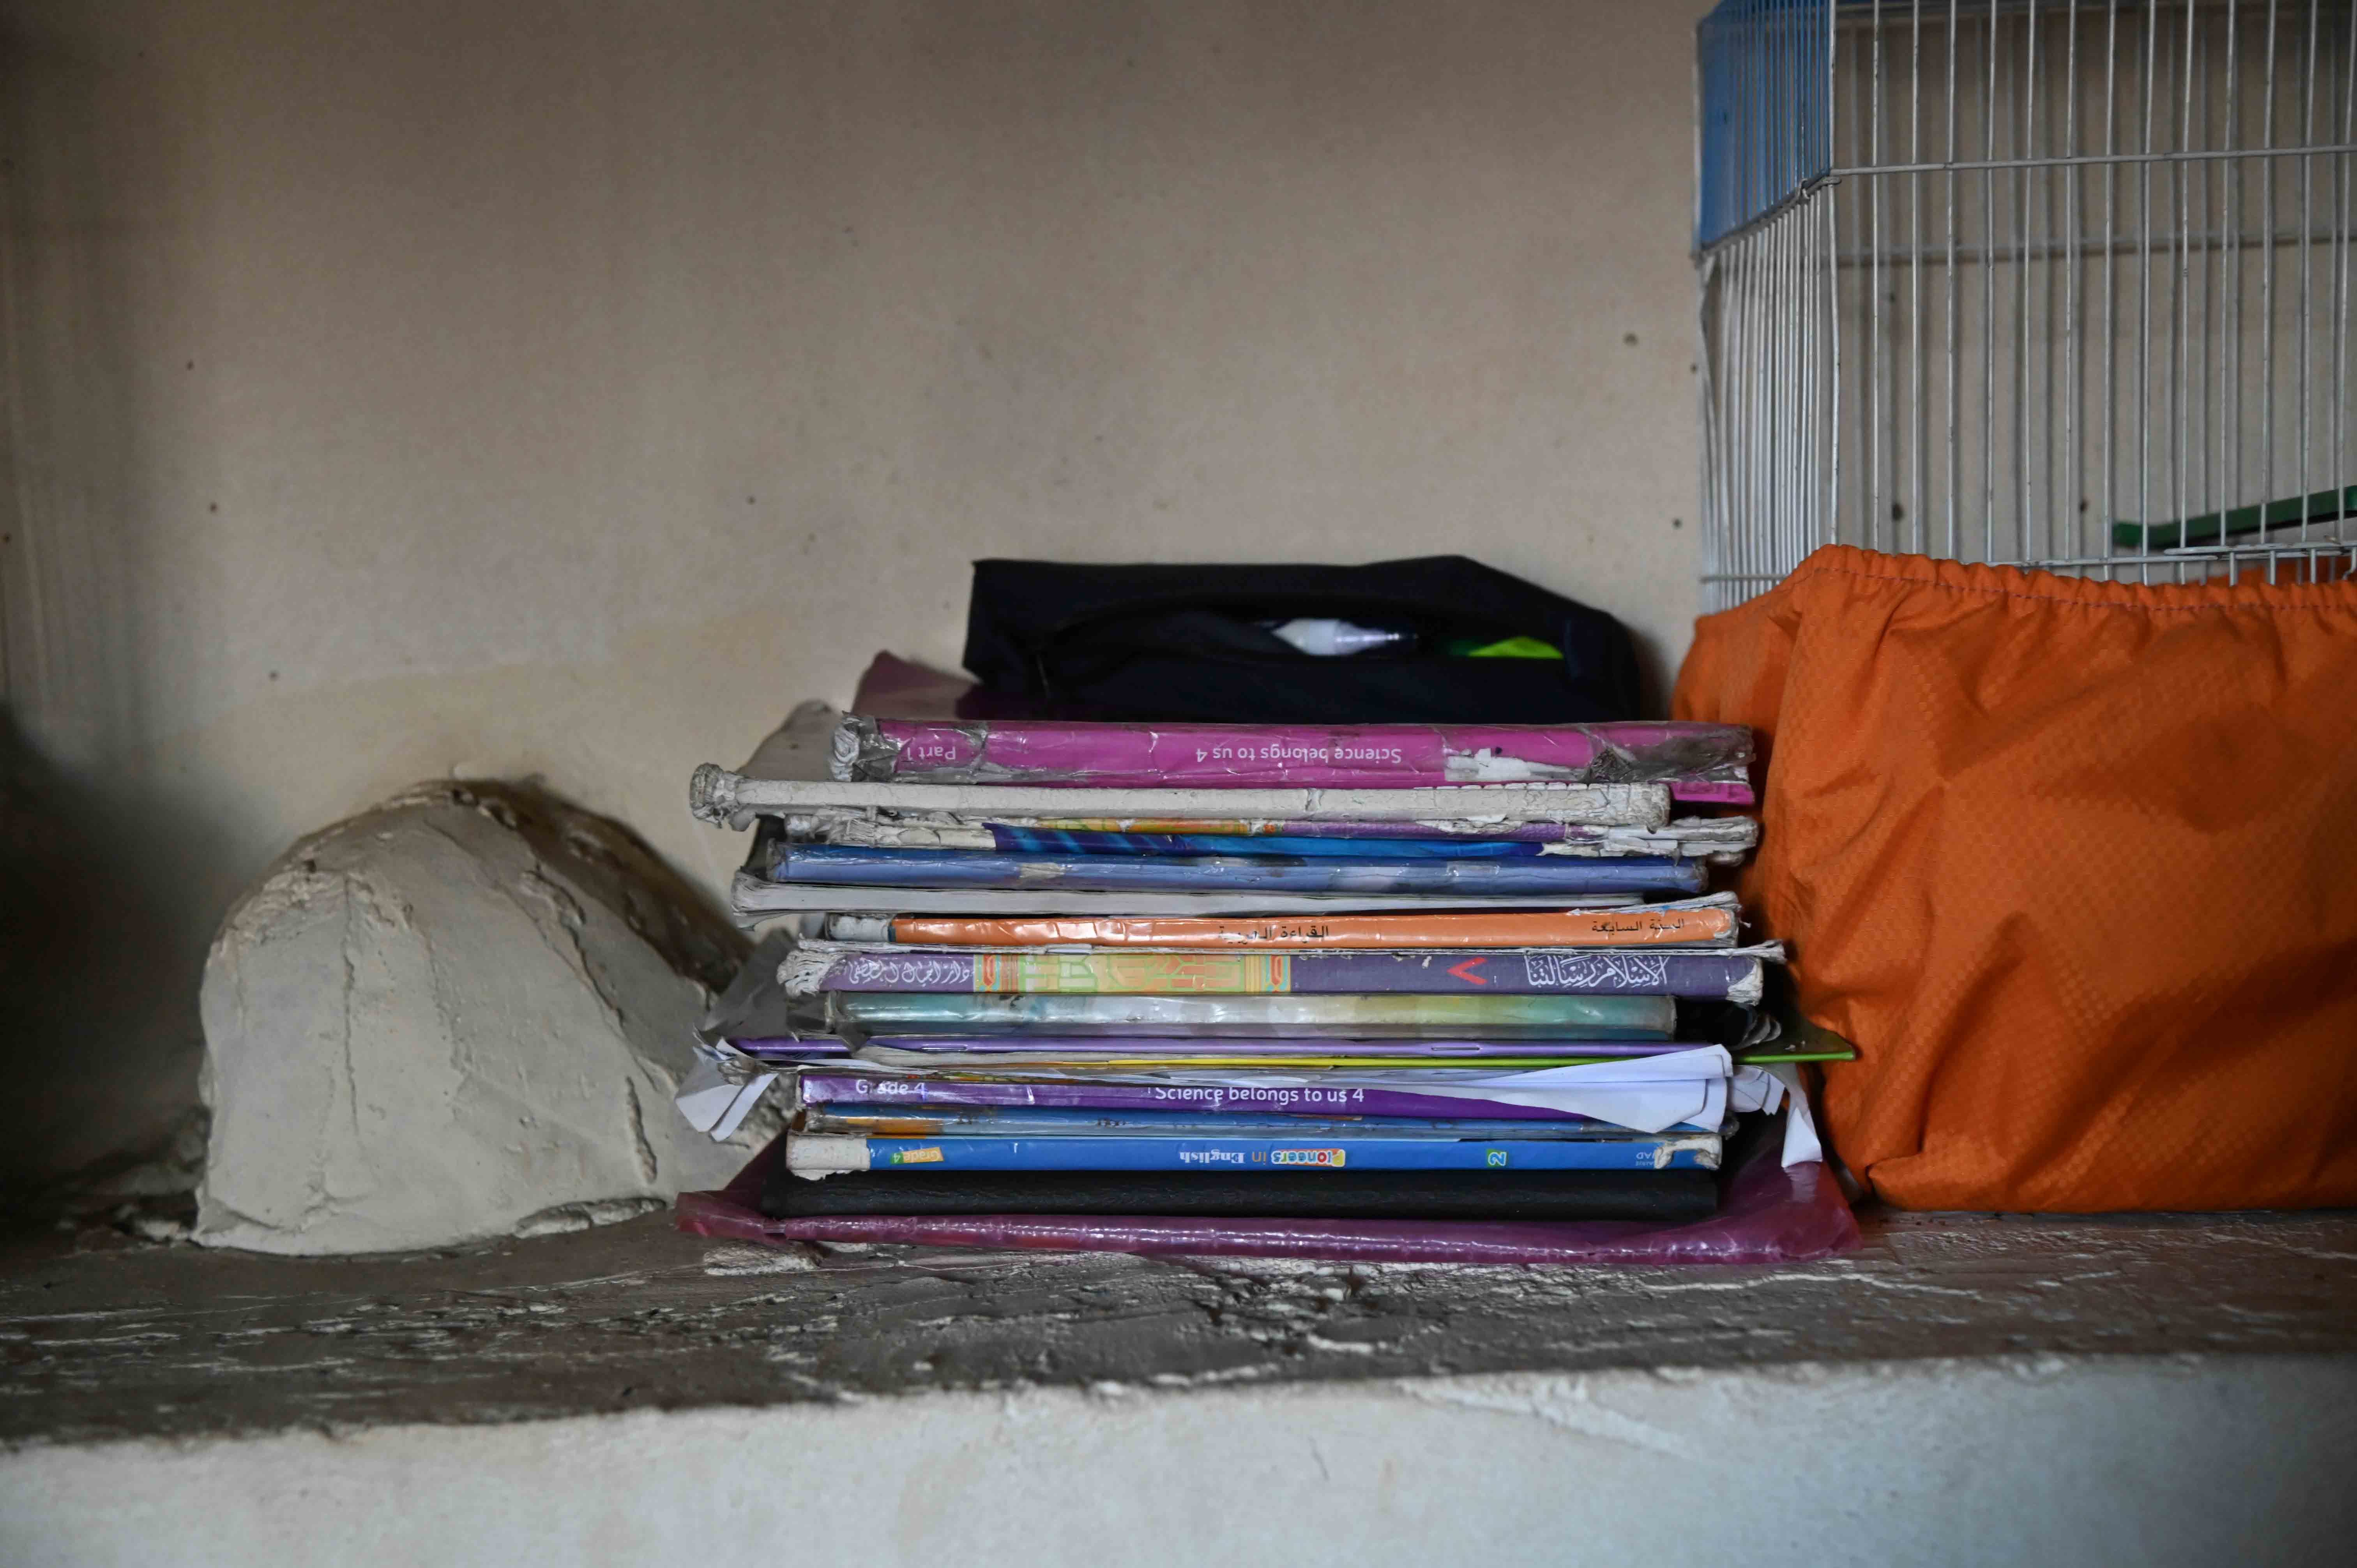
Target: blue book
(897, 1121)
(818, 1155)
(1070, 841)
(843, 865)
(1380, 1016)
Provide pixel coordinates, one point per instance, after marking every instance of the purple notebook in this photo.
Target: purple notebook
(1082, 1045)
(832, 1086)
(1571, 971)
(1698, 762)
(823, 1048)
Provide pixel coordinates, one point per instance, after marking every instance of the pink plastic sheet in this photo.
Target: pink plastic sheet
(1698, 762)
(1771, 1214)
(896, 688)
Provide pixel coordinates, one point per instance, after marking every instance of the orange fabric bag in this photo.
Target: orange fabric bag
(2073, 863)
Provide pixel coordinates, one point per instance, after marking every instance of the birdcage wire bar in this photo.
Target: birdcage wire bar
(2059, 283)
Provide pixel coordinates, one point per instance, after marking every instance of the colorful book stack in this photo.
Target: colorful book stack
(1383, 972)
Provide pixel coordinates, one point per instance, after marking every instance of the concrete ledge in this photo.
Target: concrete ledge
(105, 1339)
(2098, 1460)
(1966, 1388)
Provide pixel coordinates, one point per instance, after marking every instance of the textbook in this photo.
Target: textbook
(1711, 921)
(1089, 1048)
(755, 897)
(1209, 1057)
(1309, 846)
(837, 865)
(1660, 1197)
(1447, 971)
(888, 1121)
(726, 799)
(881, 1013)
(1697, 762)
(1720, 840)
(1691, 1087)
(1444, 1096)
(812, 1155)
(1093, 1050)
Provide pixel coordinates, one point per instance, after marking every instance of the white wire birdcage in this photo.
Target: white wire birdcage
(2056, 282)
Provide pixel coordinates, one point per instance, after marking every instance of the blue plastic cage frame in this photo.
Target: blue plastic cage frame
(1765, 82)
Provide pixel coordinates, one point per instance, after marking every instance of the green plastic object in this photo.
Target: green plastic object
(1802, 1041)
(2318, 505)
(1511, 648)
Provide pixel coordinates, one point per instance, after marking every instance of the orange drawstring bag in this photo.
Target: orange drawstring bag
(2073, 865)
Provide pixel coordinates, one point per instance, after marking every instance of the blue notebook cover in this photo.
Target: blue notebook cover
(1682, 1151)
(840, 865)
(1070, 841)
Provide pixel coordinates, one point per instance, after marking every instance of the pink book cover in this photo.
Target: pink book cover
(1701, 763)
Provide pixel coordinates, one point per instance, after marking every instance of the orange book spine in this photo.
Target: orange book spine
(1505, 928)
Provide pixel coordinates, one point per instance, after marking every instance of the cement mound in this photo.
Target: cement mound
(461, 1015)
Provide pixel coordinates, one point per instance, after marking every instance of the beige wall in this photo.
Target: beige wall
(567, 388)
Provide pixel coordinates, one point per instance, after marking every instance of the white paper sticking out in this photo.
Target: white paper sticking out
(1672, 1066)
(1644, 1107)
(721, 1090)
(1768, 1087)
(1647, 1094)
(742, 1107)
(1755, 1089)
(1801, 1145)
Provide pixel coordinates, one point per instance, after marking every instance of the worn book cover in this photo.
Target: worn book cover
(1660, 1198)
(1500, 1017)
(840, 865)
(1714, 921)
(820, 1154)
(1721, 841)
(1540, 971)
(1697, 762)
(1487, 1093)
(893, 1121)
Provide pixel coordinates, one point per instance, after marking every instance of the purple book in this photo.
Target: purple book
(1698, 762)
(795, 1047)
(1278, 1051)
(833, 1087)
(1581, 972)
(816, 1047)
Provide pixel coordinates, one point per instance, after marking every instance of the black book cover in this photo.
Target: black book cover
(1664, 1197)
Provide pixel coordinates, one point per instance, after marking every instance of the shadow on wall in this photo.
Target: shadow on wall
(98, 1044)
(105, 929)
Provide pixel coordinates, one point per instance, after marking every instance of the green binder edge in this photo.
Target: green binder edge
(1802, 1041)
(2318, 506)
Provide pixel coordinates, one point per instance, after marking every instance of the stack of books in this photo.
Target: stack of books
(1382, 971)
